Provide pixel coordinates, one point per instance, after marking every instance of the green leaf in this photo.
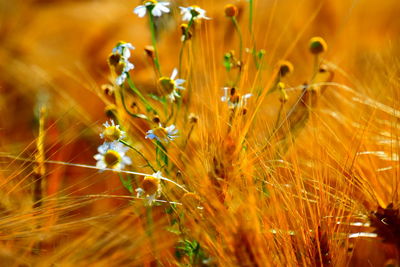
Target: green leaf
(127, 183)
(161, 154)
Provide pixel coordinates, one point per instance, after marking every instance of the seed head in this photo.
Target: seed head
(231, 10)
(149, 49)
(285, 68)
(193, 118)
(114, 59)
(318, 45)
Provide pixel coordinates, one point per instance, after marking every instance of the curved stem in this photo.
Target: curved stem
(154, 41)
(140, 153)
(237, 28)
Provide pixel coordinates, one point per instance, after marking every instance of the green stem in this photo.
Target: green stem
(184, 43)
(154, 41)
(237, 28)
(140, 153)
(161, 155)
(139, 94)
(254, 52)
(251, 16)
(126, 108)
(316, 68)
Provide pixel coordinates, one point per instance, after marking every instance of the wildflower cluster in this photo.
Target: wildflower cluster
(112, 153)
(158, 112)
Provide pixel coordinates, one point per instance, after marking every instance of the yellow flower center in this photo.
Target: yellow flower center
(112, 158)
(160, 132)
(111, 133)
(119, 68)
(150, 185)
(167, 84)
(114, 59)
(150, 2)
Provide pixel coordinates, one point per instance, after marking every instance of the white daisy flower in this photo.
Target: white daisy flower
(233, 98)
(162, 134)
(150, 188)
(112, 156)
(193, 12)
(156, 8)
(170, 85)
(123, 49)
(119, 61)
(127, 66)
(112, 132)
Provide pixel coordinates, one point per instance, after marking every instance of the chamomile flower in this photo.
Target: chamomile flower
(162, 134)
(156, 8)
(193, 12)
(119, 63)
(112, 156)
(126, 66)
(170, 85)
(112, 132)
(233, 98)
(150, 188)
(123, 49)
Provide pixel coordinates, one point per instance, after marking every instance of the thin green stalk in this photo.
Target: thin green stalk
(184, 43)
(237, 28)
(139, 94)
(254, 52)
(315, 67)
(251, 16)
(140, 153)
(181, 55)
(154, 41)
(126, 108)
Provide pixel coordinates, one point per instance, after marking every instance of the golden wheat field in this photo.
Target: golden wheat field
(199, 133)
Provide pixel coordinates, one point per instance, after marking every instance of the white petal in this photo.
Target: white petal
(179, 81)
(246, 96)
(140, 11)
(187, 16)
(101, 165)
(121, 79)
(156, 12)
(129, 45)
(174, 73)
(127, 160)
(103, 148)
(163, 8)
